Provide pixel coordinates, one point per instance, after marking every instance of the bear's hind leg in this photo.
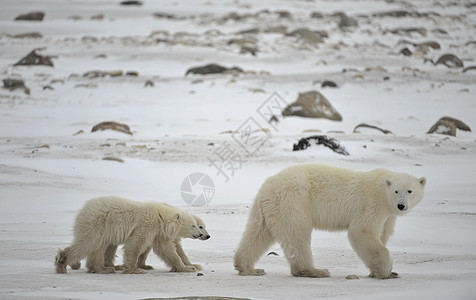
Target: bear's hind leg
(96, 262)
(142, 258)
(110, 256)
(254, 243)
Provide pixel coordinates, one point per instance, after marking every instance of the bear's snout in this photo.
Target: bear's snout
(402, 207)
(205, 237)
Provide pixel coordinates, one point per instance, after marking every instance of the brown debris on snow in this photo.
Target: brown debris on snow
(112, 126)
(33, 16)
(385, 131)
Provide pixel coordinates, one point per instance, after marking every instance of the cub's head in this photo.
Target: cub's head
(188, 226)
(202, 227)
(404, 191)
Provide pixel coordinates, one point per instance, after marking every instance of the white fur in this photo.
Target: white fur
(110, 221)
(290, 204)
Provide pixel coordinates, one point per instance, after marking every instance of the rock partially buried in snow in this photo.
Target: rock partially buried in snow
(13, 84)
(448, 126)
(212, 69)
(35, 59)
(314, 37)
(312, 104)
(33, 16)
(112, 126)
(351, 277)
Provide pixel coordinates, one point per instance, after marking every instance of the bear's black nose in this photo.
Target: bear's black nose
(401, 207)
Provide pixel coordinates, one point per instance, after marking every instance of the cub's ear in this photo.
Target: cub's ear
(422, 181)
(388, 182)
(178, 216)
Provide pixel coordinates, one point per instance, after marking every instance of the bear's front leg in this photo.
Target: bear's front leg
(183, 256)
(166, 250)
(368, 246)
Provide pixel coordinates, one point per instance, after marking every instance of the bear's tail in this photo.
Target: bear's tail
(61, 261)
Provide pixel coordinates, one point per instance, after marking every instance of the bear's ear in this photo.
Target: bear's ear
(178, 216)
(422, 181)
(388, 182)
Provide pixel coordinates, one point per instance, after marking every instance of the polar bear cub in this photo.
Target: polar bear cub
(290, 204)
(158, 249)
(112, 220)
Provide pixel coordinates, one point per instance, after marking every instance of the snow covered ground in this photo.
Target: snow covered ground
(51, 162)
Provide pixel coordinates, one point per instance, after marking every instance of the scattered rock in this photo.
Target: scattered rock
(351, 277)
(78, 132)
(394, 14)
(312, 104)
(346, 21)
(385, 131)
(284, 14)
(250, 50)
(313, 37)
(112, 126)
(449, 60)
(331, 143)
(33, 59)
(448, 126)
(200, 274)
(406, 52)
(162, 15)
(469, 69)
(212, 69)
(149, 83)
(420, 30)
(28, 35)
(33, 16)
(13, 84)
(132, 73)
(98, 73)
(131, 3)
(113, 159)
(98, 17)
(317, 15)
(276, 29)
(328, 83)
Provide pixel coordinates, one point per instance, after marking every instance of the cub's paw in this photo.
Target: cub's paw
(146, 267)
(107, 270)
(391, 276)
(133, 271)
(253, 272)
(119, 267)
(313, 273)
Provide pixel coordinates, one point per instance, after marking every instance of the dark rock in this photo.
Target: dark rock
(470, 68)
(28, 35)
(331, 143)
(312, 104)
(317, 15)
(284, 14)
(394, 14)
(212, 69)
(112, 126)
(250, 50)
(406, 52)
(149, 83)
(13, 84)
(328, 83)
(33, 16)
(130, 3)
(35, 59)
(161, 15)
(408, 30)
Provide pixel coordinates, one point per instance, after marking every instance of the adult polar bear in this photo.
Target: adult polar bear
(112, 220)
(293, 202)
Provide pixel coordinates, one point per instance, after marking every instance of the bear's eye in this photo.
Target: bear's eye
(410, 191)
(396, 192)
